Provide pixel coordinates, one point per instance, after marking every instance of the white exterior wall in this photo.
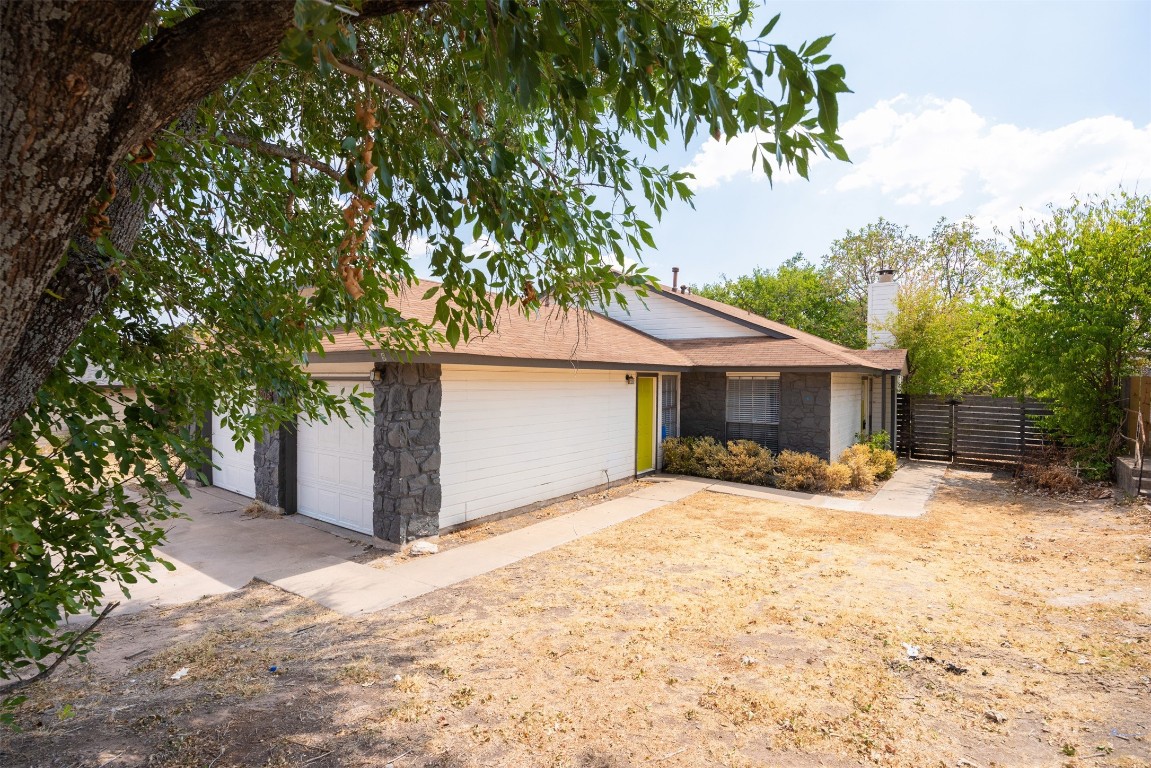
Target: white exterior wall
(880, 307)
(667, 318)
(514, 436)
(845, 406)
(234, 470)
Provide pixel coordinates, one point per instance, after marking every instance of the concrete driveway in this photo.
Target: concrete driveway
(218, 549)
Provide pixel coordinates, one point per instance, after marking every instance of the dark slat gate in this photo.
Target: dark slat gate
(976, 429)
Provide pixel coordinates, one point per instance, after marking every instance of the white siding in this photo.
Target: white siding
(514, 436)
(845, 396)
(880, 307)
(667, 318)
(234, 470)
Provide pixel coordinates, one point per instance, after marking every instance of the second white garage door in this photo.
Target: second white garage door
(334, 471)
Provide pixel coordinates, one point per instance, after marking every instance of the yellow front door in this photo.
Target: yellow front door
(645, 424)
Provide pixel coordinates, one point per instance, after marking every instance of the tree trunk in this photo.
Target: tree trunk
(75, 98)
(64, 76)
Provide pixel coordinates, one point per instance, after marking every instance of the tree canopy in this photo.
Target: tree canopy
(1077, 318)
(799, 294)
(189, 217)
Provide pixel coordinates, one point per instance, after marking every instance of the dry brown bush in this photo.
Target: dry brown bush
(747, 462)
(839, 476)
(795, 471)
(858, 461)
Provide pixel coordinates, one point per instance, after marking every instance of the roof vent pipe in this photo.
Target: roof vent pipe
(674, 279)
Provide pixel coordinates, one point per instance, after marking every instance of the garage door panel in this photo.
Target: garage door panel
(334, 480)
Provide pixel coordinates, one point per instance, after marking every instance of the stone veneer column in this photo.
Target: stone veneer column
(407, 452)
(275, 467)
(703, 405)
(805, 413)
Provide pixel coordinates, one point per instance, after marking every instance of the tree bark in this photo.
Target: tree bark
(75, 97)
(73, 297)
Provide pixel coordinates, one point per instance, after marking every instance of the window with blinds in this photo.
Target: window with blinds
(669, 407)
(753, 409)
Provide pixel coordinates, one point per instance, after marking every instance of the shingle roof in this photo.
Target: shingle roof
(575, 336)
(764, 353)
(817, 345)
(887, 359)
(579, 336)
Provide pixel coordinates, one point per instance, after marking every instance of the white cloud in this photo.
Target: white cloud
(717, 162)
(935, 151)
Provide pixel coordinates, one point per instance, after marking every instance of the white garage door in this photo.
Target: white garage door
(334, 471)
(233, 470)
(515, 436)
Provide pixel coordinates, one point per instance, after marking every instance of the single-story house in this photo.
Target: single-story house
(554, 404)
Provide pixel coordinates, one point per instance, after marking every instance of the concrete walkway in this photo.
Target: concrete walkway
(352, 589)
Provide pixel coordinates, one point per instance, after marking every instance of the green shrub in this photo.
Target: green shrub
(879, 441)
(858, 461)
(796, 471)
(747, 462)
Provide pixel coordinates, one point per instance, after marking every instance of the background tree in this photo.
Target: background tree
(175, 177)
(798, 294)
(946, 342)
(1079, 317)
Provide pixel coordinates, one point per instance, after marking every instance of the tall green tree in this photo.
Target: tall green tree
(1078, 319)
(798, 294)
(176, 174)
(948, 352)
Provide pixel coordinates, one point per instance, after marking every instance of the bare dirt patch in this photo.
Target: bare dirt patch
(717, 631)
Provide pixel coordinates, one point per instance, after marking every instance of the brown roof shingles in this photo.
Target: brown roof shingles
(579, 336)
(575, 336)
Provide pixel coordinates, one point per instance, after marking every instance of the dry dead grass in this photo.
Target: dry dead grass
(716, 631)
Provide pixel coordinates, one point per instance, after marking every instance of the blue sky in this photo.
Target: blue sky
(992, 109)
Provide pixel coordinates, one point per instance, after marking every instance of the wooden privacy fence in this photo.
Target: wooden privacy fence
(974, 429)
(1136, 403)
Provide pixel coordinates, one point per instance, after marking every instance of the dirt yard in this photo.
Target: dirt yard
(719, 631)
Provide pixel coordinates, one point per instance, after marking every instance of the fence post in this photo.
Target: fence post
(1022, 427)
(954, 428)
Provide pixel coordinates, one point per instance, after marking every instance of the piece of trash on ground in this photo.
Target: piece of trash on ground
(180, 673)
(912, 650)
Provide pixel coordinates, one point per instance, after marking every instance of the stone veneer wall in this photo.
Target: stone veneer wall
(805, 413)
(703, 405)
(407, 452)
